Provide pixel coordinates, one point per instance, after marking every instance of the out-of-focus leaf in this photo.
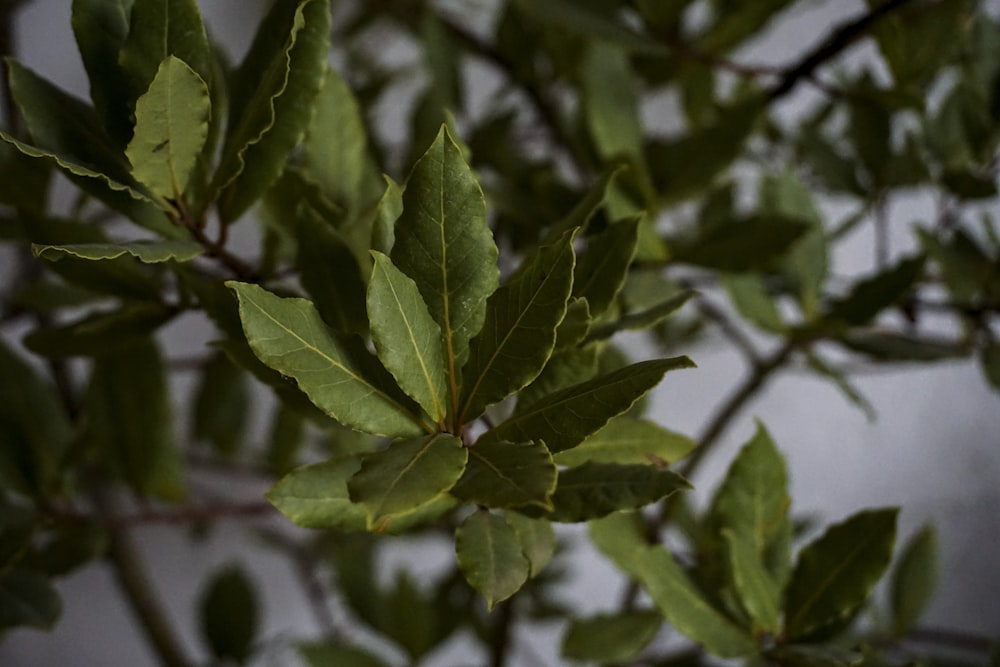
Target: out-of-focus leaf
(507, 474)
(749, 294)
(285, 440)
(610, 102)
(889, 346)
(325, 654)
(24, 183)
(915, 45)
(685, 606)
(610, 638)
(444, 244)
(289, 336)
(519, 331)
(966, 269)
(28, 598)
(629, 441)
(272, 100)
(620, 536)
(100, 334)
(593, 490)
(407, 339)
(601, 271)
(565, 418)
(735, 23)
(843, 383)
(816, 655)
(171, 127)
(100, 28)
(581, 20)
(758, 592)
(406, 475)
(749, 244)
(642, 319)
(129, 421)
(872, 295)
(989, 360)
(490, 556)
(835, 574)
(229, 615)
(316, 495)
(914, 580)
(222, 405)
(68, 547)
(150, 252)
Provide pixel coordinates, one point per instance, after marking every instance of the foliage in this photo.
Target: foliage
(441, 346)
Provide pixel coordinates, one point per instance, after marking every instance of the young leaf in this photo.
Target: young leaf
(129, 422)
(171, 125)
(564, 419)
(685, 606)
(289, 336)
(28, 598)
(444, 244)
(914, 580)
(406, 338)
(628, 441)
(835, 573)
(536, 537)
(507, 474)
(272, 101)
(490, 556)
(758, 592)
(597, 489)
(406, 475)
(149, 252)
(607, 638)
(316, 496)
(229, 616)
(519, 332)
(601, 271)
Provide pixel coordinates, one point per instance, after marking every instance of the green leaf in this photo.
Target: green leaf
(889, 346)
(835, 574)
(272, 101)
(749, 294)
(34, 428)
(610, 638)
(536, 537)
(519, 332)
(620, 536)
(490, 556)
(129, 420)
(171, 126)
(601, 271)
(989, 360)
(610, 102)
(564, 369)
(574, 326)
(285, 440)
(562, 420)
(406, 337)
(444, 244)
(914, 580)
(813, 655)
(589, 204)
(289, 336)
(841, 381)
(583, 21)
(149, 252)
(406, 475)
(316, 496)
(749, 244)
(324, 654)
(628, 441)
(642, 319)
(871, 296)
(222, 405)
(757, 590)
(100, 28)
(686, 608)
(28, 598)
(387, 211)
(160, 29)
(100, 334)
(507, 474)
(753, 502)
(229, 615)
(594, 490)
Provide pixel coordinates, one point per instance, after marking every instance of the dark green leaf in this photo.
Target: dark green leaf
(871, 296)
(628, 441)
(150, 252)
(989, 360)
(519, 331)
(914, 580)
(562, 420)
(735, 23)
(289, 336)
(99, 334)
(229, 616)
(536, 537)
(171, 126)
(741, 245)
(889, 346)
(326, 654)
(642, 319)
(129, 420)
(285, 441)
(222, 405)
(757, 590)
(594, 490)
(610, 638)
(444, 244)
(813, 655)
(272, 101)
(574, 326)
(69, 547)
(581, 20)
(387, 211)
(601, 271)
(406, 475)
(685, 606)
(490, 556)
(407, 339)
(564, 369)
(507, 474)
(100, 28)
(28, 598)
(835, 573)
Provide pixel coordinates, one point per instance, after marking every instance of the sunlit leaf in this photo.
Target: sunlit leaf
(406, 475)
(507, 474)
(490, 556)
